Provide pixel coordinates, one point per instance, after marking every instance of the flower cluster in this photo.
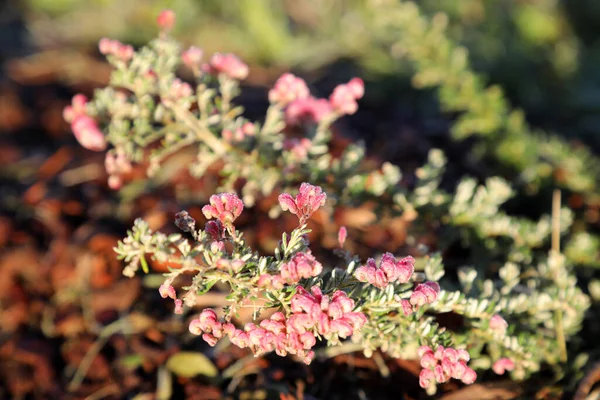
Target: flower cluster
(301, 265)
(287, 89)
(311, 314)
(390, 270)
(307, 110)
(192, 57)
(292, 93)
(424, 293)
(225, 207)
(85, 128)
(344, 97)
(179, 89)
(443, 364)
(227, 64)
(307, 201)
(123, 52)
(167, 290)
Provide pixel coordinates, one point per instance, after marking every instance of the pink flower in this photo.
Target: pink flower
(342, 235)
(407, 308)
(287, 89)
(210, 339)
(228, 64)
(498, 324)
(88, 134)
(302, 265)
(425, 378)
(167, 291)
(225, 207)
(343, 99)
(166, 20)
(424, 293)
(443, 364)
(389, 271)
(76, 108)
(292, 335)
(195, 327)
(307, 201)
(424, 350)
(459, 369)
(469, 376)
(502, 365)
(115, 48)
(178, 306)
(192, 57)
(357, 87)
(305, 110)
(428, 360)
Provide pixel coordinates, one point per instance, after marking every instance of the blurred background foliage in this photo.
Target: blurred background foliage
(543, 53)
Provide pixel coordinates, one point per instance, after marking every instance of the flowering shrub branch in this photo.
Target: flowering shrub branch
(148, 114)
(366, 304)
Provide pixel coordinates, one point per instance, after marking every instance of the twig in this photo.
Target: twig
(587, 383)
(556, 221)
(345, 348)
(558, 317)
(104, 392)
(201, 132)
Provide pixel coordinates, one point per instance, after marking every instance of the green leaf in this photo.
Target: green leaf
(189, 364)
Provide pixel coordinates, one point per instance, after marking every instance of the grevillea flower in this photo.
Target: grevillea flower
(287, 89)
(302, 265)
(307, 110)
(88, 134)
(123, 52)
(503, 365)
(390, 270)
(192, 57)
(228, 64)
(498, 324)
(343, 99)
(167, 291)
(311, 313)
(443, 364)
(342, 235)
(179, 89)
(166, 20)
(424, 293)
(225, 207)
(307, 201)
(85, 128)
